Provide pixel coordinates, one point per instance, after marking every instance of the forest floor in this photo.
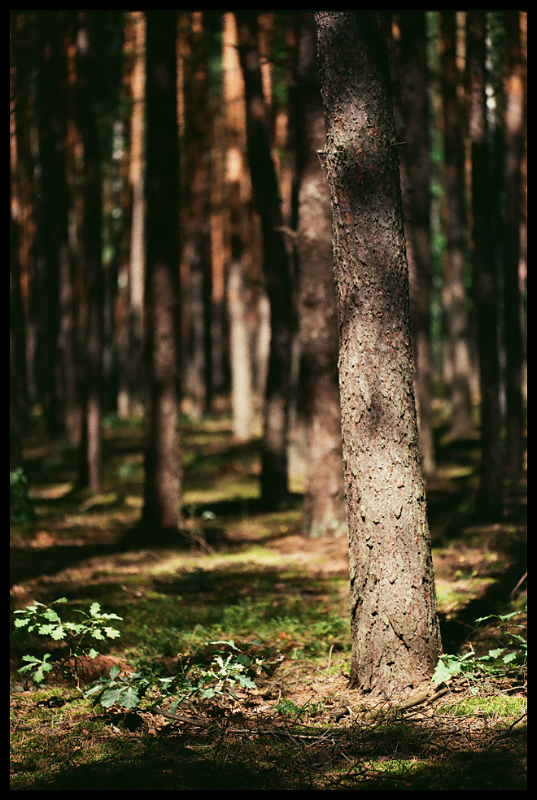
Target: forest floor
(248, 576)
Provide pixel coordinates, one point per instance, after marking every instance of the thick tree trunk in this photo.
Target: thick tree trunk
(276, 270)
(395, 632)
(489, 499)
(163, 470)
(324, 500)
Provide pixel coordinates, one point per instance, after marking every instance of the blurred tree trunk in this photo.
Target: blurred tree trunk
(514, 129)
(86, 89)
(18, 394)
(411, 110)
(197, 248)
(394, 625)
(56, 339)
(130, 401)
(490, 493)
(324, 500)
(163, 469)
(454, 294)
(238, 195)
(276, 270)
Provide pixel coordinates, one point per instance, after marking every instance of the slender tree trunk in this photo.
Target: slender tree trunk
(131, 403)
(395, 632)
(163, 470)
(276, 269)
(56, 341)
(489, 499)
(454, 294)
(92, 255)
(238, 191)
(324, 500)
(514, 127)
(411, 109)
(18, 395)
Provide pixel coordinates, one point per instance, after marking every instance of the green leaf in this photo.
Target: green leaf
(508, 658)
(21, 622)
(444, 672)
(231, 643)
(93, 689)
(114, 672)
(93, 653)
(110, 696)
(97, 634)
(497, 651)
(130, 698)
(56, 632)
(39, 674)
(95, 609)
(112, 633)
(246, 682)
(51, 615)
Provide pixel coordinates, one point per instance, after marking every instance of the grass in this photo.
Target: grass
(242, 574)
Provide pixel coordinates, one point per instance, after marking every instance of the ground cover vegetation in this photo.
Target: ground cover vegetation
(222, 661)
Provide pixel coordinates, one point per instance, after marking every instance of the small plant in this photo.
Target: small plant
(20, 502)
(291, 709)
(497, 659)
(125, 691)
(77, 636)
(228, 671)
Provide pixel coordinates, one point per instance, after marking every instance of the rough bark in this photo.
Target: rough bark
(489, 498)
(324, 499)
(163, 470)
(276, 270)
(395, 633)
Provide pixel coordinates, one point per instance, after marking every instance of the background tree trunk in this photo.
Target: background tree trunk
(91, 450)
(238, 196)
(163, 468)
(489, 499)
(395, 632)
(411, 110)
(454, 293)
(514, 128)
(324, 499)
(276, 270)
(55, 358)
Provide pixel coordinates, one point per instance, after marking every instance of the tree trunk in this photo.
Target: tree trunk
(133, 401)
(454, 294)
(56, 317)
(91, 449)
(238, 190)
(324, 500)
(395, 632)
(489, 498)
(514, 127)
(163, 470)
(411, 109)
(276, 270)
